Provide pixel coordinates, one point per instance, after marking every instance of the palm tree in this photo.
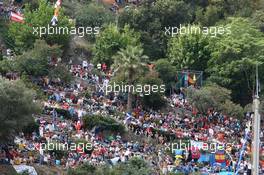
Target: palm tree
(130, 62)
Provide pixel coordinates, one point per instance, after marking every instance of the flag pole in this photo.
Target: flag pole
(256, 129)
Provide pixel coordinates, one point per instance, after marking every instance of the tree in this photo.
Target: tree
(17, 107)
(167, 72)
(173, 13)
(93, 15)
(24, 36)
(150, 19)
(189, 51)
(130, 61)
(234, 58)
(208, 17)
(233, 110)
(112, 40)
(200, 99)
(104, 123)
(153, 100)
(84, 169)
(33, 3)
(36, 61)
(243, 8)
(216, 97)
(134, 166)
(30, 128)
(7, 66)
(145, 20)
(61, 72)
(258, 19)
(209, 13)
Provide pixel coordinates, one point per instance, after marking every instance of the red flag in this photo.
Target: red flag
(17, 17)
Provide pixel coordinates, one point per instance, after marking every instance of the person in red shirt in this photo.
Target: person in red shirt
(104, 67)
(13, 154)
(78, 126)
(195, 154)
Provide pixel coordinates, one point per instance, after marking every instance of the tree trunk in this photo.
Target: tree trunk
(129, 102)
(130, 94)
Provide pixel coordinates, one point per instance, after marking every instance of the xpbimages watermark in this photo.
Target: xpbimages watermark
(51, 146)
(145, 89)
(56, 30)
(186, 30)
(194, 145)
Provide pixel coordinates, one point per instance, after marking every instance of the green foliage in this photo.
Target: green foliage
(234, 58)
(216, 97)
(242, 8)
(104, 170)
(61, 72)
(258, 19)
(62, 112)
(134, 166)
(208, 17)
(85, 169)
(200, 99)
(59, 154)
(189, 51)
(33, 66)
(33, 3)
(23, 34)
(143, 21)
(130, 62)
(219, 10)
(176, 173)
(7, 66)
(112, 40)
(155, 100)
(30, 85)
(36, 61)
(93, 15)
(150, 19)
(173, 13)
(219, 93)
(31, 127)
(104, 123)
(232, 109)
(25, 172)
(167, 72)
(16, 106)
(4, 34)
(87, 94)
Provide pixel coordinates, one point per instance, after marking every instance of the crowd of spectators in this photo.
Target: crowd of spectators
(155, 126)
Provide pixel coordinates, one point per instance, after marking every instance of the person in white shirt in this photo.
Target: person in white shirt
(41, 132)
(84, 64)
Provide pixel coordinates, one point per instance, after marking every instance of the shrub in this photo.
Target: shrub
(85, 169)
(31, 127)
(104, 123)
(61, 112)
